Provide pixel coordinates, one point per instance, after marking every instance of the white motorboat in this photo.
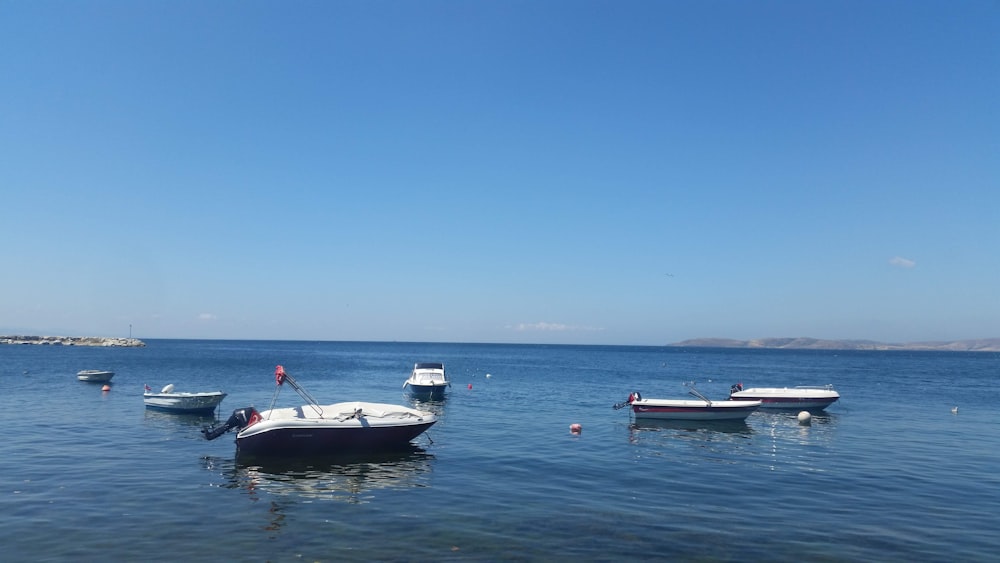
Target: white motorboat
(168, 400)
(688, 409)
(314, 429)
(95, 375)
(428, 379)
(806, 397)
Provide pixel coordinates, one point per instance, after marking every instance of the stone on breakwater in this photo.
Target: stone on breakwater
(73, 341)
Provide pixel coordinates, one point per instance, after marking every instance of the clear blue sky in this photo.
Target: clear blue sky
(525, 171)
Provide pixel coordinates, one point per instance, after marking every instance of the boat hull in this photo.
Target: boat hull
(427, 391)
(327, 441)
(344, 427)
(95, 376)
(666, 409)
(184, 402)
(788, 398)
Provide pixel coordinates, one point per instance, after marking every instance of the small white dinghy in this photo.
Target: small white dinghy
(168, 400)
(95, 375)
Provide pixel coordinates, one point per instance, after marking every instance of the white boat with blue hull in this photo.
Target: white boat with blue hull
(168, 400)
(428, 379)
(314, 430)
(803, 397)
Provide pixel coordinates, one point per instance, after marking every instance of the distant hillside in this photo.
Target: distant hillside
(802, 343)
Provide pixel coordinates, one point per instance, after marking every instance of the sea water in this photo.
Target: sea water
(905, 467)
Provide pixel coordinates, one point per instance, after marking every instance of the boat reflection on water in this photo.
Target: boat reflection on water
(703, 426)
(435, 406)
(701, 433)
(776, 416)
(351, 478)
(166, 418)
(785, 427)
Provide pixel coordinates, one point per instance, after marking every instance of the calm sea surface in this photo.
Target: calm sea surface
(889, 473)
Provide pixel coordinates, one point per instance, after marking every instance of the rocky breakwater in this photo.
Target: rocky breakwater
(73, 341)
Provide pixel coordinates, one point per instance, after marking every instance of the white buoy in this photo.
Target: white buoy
(805, 418)
(488, 376)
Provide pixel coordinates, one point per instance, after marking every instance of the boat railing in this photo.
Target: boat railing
(282, 377)
(827, 387)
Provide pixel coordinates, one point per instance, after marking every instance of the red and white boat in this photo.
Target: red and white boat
(806, 397)
(314, 429)
(687, 409)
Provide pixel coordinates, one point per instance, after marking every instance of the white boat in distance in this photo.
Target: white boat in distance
(688, 409)
(314, 429)
(95, 375)
(805, 397)
(428, 378)
(168, 400)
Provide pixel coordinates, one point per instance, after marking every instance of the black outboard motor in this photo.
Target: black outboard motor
(241, 418)
(632, 397)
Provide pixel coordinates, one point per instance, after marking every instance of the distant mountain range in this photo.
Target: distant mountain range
(802, 343)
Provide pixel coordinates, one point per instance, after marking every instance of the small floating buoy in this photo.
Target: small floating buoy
(805, 418)
(470, 386)
(488, 376)
(954, 410)
(575, 428)
(106, 388)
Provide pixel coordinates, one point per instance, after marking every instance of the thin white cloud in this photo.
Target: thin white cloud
(901, 262)
(550, 327)
(207, 317)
